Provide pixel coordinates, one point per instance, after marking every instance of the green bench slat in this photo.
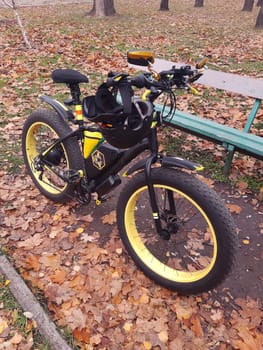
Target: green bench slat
(222, 134)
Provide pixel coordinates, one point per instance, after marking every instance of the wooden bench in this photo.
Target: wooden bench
(230, 138)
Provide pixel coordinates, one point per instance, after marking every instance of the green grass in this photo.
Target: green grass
(174, 145)
(10, 156)
(17, 321)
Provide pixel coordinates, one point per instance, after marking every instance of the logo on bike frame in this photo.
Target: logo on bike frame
(98, 160)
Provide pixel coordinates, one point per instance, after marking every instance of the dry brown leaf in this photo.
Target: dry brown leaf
(87, 218)
(82, 335)
(50, 260)
(58, 277)
(109, 218)
(33, 262)
(217, 315)
(183, 310)
(31, 242)
(197, 328)
(234, 208)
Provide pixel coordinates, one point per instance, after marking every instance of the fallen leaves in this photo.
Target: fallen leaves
(109, 218)
(58, 277)
(97, 291)
(3, 325)
(234, 208)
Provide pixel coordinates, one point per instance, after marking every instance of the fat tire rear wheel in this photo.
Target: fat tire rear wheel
(40, 130)
(200, 251)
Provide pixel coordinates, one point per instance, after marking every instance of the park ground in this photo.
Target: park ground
(61, 250)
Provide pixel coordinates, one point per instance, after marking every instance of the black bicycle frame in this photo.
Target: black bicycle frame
(126, 156)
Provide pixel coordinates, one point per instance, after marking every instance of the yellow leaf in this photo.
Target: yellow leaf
(15, 315)
(3, 325)
(144, 299)
(56, 217)
(147, 345)
(246, 241)
(163, 336)
(127, 326)
(80, 230)
(17, 338)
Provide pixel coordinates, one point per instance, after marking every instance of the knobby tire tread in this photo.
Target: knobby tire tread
(214, 208)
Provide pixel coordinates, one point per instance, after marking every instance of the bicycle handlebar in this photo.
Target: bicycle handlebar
(180, 77)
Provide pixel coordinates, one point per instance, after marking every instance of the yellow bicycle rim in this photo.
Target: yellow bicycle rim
(32, 152)
(148, 258)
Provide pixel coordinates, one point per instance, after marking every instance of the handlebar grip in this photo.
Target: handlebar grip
(112, 74)
(115, 79)
(138, 81)
(110, 82)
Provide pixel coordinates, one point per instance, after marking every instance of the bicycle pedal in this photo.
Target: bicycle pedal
(74, 176)
(101, 200)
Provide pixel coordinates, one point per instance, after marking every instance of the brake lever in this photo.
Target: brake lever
(193, 90)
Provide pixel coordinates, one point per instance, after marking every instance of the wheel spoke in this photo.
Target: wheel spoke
(48, 162)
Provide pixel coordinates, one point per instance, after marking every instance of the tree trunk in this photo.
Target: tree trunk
(164, 6)
(102, 8)
(248, 5)
(199, 3)
(259, 21)
(110, 10)
(93, 10)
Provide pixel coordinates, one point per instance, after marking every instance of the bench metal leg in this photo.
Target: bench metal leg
(227, 167)
(252, 115)
(231, 148)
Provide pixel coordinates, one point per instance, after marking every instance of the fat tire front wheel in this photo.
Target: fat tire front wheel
(197, 252)
(40, 130)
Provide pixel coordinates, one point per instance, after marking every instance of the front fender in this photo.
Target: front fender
(176, 162)
(61, 109)
(167, 162)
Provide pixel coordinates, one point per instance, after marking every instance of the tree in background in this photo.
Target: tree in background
(12, 5)
(199, 3)
(260, 3)
(248, 5)
(259, 21)
(102, 8)
(164, 6)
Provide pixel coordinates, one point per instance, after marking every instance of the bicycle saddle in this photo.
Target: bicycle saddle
(68, 76)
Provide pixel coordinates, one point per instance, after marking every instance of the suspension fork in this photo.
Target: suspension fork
(153, 201)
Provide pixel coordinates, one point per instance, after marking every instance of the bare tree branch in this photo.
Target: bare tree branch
(5, 2)
(13, 6)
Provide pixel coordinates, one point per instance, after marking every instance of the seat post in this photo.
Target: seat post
(75, 93)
